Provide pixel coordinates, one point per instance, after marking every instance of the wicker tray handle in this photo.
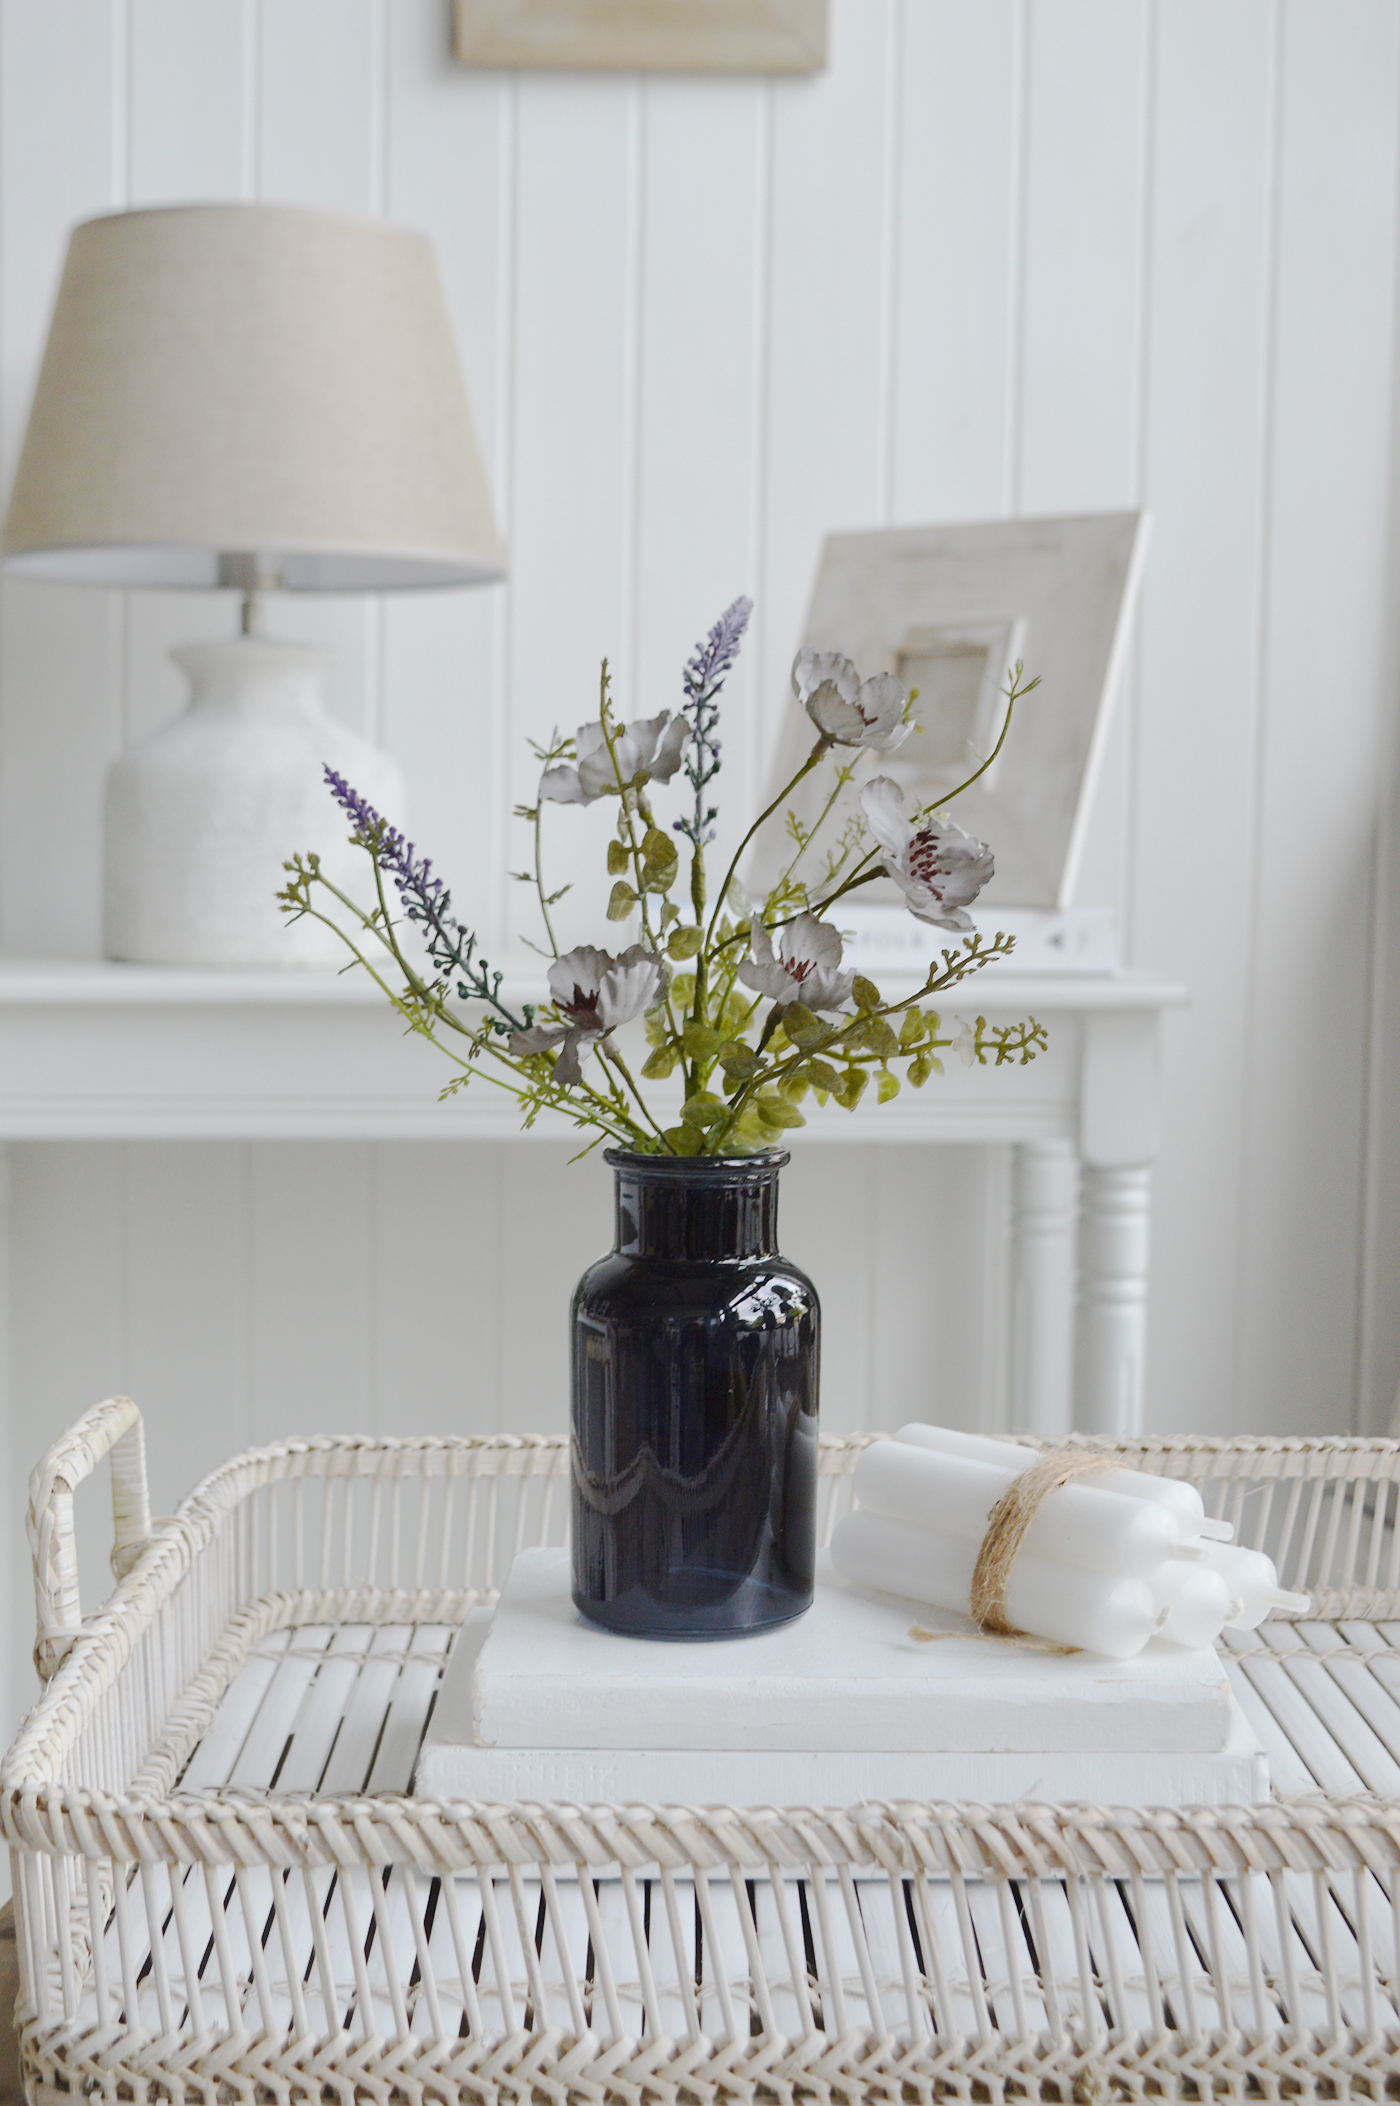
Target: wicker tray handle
(115, 1425)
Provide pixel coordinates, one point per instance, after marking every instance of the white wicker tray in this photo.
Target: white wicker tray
(223, 1892)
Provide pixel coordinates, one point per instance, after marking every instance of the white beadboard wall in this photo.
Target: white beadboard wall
(1004, 256)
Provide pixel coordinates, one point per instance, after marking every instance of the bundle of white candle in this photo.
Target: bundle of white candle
(1108, 1562)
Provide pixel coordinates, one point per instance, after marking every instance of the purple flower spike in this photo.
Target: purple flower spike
(702, 680)
(425, 900)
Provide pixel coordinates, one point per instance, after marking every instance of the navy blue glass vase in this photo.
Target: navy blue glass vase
(695, 1356)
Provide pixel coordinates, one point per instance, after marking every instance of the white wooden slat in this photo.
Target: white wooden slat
(62, 159)
(1082, 266)
(1176, 1963)
(320, 100)
(70, 1200)
(311, 1323)
(365, 1708)
(954, 353)
(1077, 442)
(1117, 1956)
(1329, 496)
(830, 290)
(703, 320)
(565, 1952)
(571, 496)
(671, 1951)
(785, 1970)
(826, 1205)
(842, 1964)
(724, 1962)
(1052, 1931)
(409, 1708)
(1010, 1985)
(503, 1992)
(437, 1246)
(1328, 1690)
(616, 1927)
(321, 1714)
(279, 1713)
(888, 1941)
(353, 1907)
(192, 136)
(192, 129)
(449, 134)
(187, 1239)
(933, 1287)
(551, 1227)
(1288, 1773)
(221, 1743)
(1219, 1943)
(453, 1950)
(1329, 1768)
(1209, 237)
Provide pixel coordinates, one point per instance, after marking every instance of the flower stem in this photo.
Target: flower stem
(611, 1053)
(766, 814)
(1013, 696)
(539, 882)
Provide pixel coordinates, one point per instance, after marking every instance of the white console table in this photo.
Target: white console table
(101, 1051)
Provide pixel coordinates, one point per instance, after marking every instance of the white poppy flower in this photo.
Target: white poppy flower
(594, 993)
(939, 869)
(647, 750)
(806, 967)
(846, 709)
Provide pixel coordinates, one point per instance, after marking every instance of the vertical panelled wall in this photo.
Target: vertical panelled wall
(1004, 256)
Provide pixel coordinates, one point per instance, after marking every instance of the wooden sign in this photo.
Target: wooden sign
(652, 36)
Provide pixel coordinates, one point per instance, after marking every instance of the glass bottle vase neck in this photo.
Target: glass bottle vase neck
(704, 1210)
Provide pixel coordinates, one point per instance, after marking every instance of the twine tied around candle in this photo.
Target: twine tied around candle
(1006, 1531)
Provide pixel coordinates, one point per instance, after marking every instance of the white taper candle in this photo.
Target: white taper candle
(1197, 1600)
(1180, 1499)
(1078, 1524)
(1252, 1579)
(1059, 1602)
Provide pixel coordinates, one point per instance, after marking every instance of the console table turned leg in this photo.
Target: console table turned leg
(1044, 1207)
(1113, 1241)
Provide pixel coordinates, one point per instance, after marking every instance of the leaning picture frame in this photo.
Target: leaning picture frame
(949, 610)
(670, 36)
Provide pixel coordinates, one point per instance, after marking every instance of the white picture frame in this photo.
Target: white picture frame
(631, 36)
(950, 609)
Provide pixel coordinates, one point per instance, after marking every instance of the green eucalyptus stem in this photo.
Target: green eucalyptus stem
(956, 969)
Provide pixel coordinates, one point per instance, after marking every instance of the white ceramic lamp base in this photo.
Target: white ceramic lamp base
(202, 814)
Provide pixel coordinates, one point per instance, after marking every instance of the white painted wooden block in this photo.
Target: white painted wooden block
(883, 937)
(846, 1678)
(449, 1768)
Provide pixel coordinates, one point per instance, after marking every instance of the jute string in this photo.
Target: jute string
(1006, 1531)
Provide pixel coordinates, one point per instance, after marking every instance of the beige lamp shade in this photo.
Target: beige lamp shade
(251, 393)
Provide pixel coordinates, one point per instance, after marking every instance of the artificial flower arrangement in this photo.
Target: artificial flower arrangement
(746, 999)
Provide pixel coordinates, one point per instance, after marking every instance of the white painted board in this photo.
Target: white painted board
(1238, 1775)
(847, 1676)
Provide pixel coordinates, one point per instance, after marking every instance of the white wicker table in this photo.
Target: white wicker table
(222, 1893)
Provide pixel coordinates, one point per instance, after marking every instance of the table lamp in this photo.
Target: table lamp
(267, 399)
